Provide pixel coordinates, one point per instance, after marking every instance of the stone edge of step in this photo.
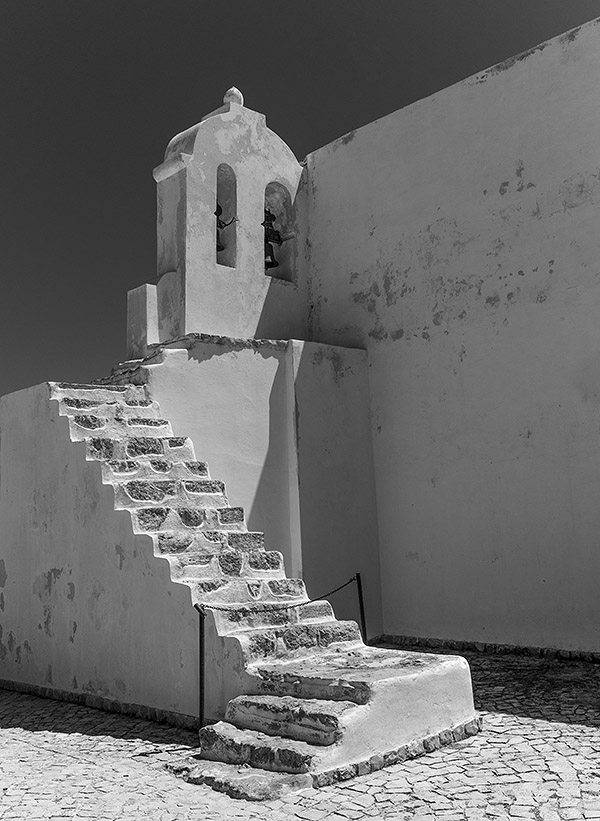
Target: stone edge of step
(195, 770)
(413, 749)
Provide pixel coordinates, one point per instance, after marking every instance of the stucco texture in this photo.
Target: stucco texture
(457, 241)
(85, 606)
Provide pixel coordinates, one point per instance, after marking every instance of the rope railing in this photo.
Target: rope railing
(258, 607)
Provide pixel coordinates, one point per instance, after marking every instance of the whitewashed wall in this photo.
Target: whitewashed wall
(457, 240)
(286, 426)
(85, 607)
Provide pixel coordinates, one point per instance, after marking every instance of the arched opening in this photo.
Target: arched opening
(280, 234)
(225, 216)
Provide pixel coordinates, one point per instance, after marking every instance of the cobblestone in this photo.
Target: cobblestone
(538, 757)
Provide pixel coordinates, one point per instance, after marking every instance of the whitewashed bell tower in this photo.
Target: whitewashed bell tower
(228, 235)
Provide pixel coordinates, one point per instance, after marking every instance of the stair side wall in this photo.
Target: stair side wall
(85, 607)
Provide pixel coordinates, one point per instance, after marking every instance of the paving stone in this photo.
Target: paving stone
(541, 717)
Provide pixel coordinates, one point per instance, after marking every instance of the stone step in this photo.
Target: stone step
(297, 641)
(85, 426)
(153, 519)
(148, 468)
(176, 493)
(238, 780)
(244, 618)
(224, 742)
(225, 591)
(103, 393)
(166, 448)
(315, 721)
(172, 542)
(351, 674)
(115, 409)
(256, 564)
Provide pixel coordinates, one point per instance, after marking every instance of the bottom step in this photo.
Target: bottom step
(224, 742)
(256, 784)
(239, 781)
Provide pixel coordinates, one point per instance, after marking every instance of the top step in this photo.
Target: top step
(114, 408)
(102, 393)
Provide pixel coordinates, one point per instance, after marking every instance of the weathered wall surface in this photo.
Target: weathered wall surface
(458, 241)
(338, 509)
(286, 426)
(85, 607)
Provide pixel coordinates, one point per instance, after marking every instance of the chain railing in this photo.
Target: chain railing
(261, 607)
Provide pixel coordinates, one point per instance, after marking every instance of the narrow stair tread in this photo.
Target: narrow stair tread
(234, 735)
(292, 704)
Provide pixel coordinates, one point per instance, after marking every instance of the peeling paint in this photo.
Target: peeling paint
(42, 585)
(582, 188)
(389, 289)
(569, 36)
(347, 138)
(48, 620)
(121, 554)
(506, 64)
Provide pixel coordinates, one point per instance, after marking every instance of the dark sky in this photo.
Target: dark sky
(91, 91)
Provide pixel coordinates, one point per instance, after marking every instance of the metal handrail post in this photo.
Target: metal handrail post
(361, 607)
(201, 662)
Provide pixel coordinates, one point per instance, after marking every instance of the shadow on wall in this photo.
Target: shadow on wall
(290, 219)
(338, 517)
(270, 510)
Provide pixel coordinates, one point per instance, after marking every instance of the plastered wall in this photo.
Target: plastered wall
(336, 476)
(85, 607)
(286, 426)
(231, 400)
(457, 240)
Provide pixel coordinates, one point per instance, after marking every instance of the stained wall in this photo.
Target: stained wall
(85, 606)
(457, 241)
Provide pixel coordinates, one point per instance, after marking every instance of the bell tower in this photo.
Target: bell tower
(227, 233)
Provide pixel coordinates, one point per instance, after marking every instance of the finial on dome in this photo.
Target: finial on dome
(233, 95)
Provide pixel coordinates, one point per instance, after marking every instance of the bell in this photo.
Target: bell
(220, 225)
(271, 235)
(270, 261)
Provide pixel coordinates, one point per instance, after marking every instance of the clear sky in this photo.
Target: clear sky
(91, 91)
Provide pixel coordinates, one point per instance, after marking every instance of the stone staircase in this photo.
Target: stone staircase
(310, 703)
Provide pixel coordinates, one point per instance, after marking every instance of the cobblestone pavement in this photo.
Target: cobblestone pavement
(538, 757)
